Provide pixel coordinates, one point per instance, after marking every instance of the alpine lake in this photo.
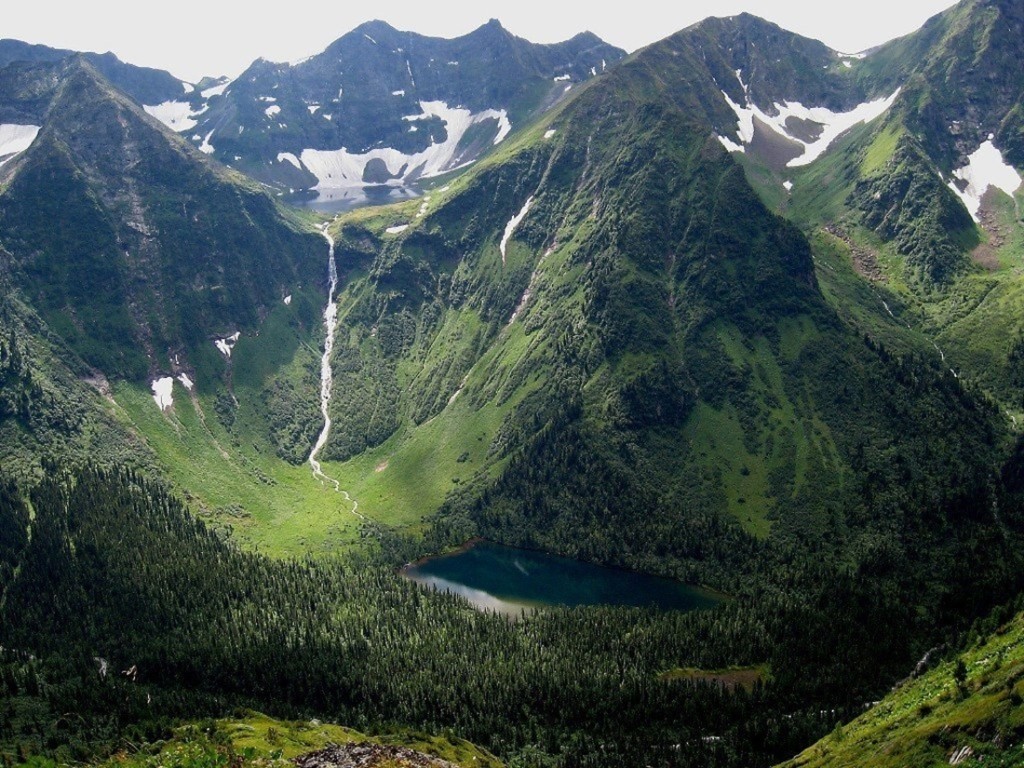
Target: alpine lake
(501, 579)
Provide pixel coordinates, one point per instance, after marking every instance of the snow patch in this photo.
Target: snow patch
(398, 93)
(511, 226)
(340, 168)
(187, 86)
(397, 229)
(833, 124)
(788, 185)
(186, 382)
(549, 133)
(288, 157)
(369, 38)
(16, 138)
(288, 300)
(504, 126)
(206, 147)
(313, 108)
(985, 168)
(730, 145)
(176, 115)
(227, 344)
(847, 63)
(272, 110)
(268, 99)
(162, 393)
(568, 88)
(217, 90)
(562, 78)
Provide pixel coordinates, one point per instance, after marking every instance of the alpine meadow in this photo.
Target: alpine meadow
(475, 402)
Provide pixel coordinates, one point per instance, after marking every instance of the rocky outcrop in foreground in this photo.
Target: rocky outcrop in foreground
(367, 755)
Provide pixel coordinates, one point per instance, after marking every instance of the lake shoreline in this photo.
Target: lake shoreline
(497, 576)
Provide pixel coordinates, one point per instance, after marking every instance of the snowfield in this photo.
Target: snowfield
(227, 344)
(985, 168)
(16, 138)
(340, 168)
(288, 157)
(162, 392)
(833, 124)
(176, 115)
(217, 90)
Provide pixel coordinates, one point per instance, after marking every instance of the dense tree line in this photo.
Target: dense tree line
(124, 613)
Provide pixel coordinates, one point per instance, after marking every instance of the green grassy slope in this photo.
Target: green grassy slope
(258, 741)
(967, 709)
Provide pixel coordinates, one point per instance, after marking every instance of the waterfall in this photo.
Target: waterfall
(327, 376)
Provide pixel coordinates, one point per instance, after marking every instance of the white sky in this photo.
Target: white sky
(219, 37)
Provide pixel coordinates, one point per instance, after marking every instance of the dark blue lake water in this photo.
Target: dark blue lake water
(498, 578)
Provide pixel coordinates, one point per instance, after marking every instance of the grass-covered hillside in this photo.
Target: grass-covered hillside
(932, 253)
(964, 710)
(253, 740)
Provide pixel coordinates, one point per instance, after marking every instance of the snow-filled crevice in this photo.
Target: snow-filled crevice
(510, 228)
(176, 115)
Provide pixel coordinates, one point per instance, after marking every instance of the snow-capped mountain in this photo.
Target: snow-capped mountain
(381, 106)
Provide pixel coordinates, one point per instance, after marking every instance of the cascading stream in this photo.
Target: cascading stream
(327, 375)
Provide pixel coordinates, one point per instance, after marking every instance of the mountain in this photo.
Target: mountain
(924, 200)
(145, 85)
(132, 246)
(52, 404)
(616, 337)
(380, 106)
(649, 341)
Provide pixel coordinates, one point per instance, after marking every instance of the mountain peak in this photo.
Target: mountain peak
(374, 25)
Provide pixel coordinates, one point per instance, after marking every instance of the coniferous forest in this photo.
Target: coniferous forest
(139, 617)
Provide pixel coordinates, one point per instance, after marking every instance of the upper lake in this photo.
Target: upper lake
(499, 578)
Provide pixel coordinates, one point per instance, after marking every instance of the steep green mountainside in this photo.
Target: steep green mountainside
(966, 709)
(380, 105)
(603, 310)
(51, 404)
(926, 200)
(652, 344)
(134, 248)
